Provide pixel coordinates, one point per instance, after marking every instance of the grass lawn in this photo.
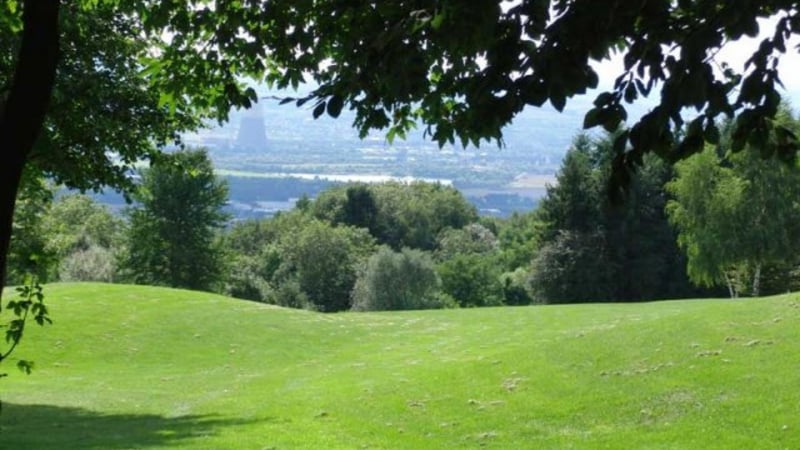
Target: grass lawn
(142, 367)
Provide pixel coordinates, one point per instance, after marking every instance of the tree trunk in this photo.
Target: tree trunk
(23, 114)
(757, 281)
(731, 287)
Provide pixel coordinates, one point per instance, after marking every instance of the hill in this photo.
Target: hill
(142, 367)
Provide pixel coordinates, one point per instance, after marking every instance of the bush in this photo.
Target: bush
(324, 261)
(397, 280)
(516, 287)
(244, 280)
(472, 280)
(573, 269)
(92, 264)
(290, 294)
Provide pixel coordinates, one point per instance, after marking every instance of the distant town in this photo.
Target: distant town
(272, 154)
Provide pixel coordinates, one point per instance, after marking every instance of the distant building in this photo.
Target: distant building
(252, 132)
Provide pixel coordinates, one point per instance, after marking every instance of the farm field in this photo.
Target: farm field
(143, 367)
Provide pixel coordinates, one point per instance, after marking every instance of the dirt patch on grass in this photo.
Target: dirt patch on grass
(669, 407)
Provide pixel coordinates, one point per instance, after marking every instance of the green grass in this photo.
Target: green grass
(140, 367)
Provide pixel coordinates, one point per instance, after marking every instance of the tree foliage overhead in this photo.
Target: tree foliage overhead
(103, 116)
(464, 70)
(101, 113)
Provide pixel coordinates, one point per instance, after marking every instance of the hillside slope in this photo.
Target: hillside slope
(142, 367)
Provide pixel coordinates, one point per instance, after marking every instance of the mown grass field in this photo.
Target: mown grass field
(140, 367)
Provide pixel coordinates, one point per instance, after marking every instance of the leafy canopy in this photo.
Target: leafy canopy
(103, 115)
(465, 69)
(735, 212)
(136, 73)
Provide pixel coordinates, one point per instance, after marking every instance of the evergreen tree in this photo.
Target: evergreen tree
(594, 250)
(572, 264)
(574, 202)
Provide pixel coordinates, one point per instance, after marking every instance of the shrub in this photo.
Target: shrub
(95, 263)
(397, 280)
(324, 260)
(472, 280)
(290, 294)
(516, 287)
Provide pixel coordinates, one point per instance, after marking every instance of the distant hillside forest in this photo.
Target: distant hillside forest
(714, 224)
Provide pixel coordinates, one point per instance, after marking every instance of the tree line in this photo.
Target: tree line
(92, 88)
(718, 222)
(81, 78)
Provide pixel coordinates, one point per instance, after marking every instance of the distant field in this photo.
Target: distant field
(532, 181)
(140, 367)
(340, 178)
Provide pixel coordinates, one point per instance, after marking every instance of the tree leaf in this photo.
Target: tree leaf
(335, 104)
(592, 118)
(711, 133)
(558, 102)
(319, 109)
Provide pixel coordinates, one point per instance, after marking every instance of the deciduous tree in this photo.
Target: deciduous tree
(461, 70)
(83, 235)
(397, 214)
(397, 280)
(29, 253)
(323, 261)
(102, 117)
(736, 213)
(472, 279)
(171, 233)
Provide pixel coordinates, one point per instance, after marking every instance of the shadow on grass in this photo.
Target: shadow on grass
(44, 427)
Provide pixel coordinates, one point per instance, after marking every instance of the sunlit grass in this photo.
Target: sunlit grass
(140, 367)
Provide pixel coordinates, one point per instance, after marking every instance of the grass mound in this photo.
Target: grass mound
(142, 367)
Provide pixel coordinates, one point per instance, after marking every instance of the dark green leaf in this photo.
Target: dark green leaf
(558, 102)
(711, 133)
(592, 118)
(319, 109)
(335, 104)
